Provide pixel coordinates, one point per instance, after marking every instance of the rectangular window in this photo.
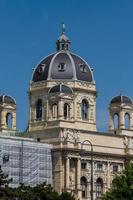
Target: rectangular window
(5, 158)
(61, 67)
(83, 68)
(83, 165)
(98, 191)
(99, 167)
(72, 163)
(83, 194)
(115, 168)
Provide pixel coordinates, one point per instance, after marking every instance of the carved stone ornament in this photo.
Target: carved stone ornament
(84, 84)
(71, 135)
(90, 99)
(76, 136)
(64, 82)
(128, 144)
(38, 84)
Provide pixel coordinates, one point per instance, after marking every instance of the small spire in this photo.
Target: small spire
(121, 96)
(121, 93)
(63, 28)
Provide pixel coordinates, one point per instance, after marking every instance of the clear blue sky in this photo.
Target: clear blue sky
(101, 31)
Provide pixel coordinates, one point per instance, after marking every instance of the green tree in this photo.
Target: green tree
(23, 193)
(4, 179)
(4, 182)
(66, 196)
(39, 192)
(122, 185)
(45, 192)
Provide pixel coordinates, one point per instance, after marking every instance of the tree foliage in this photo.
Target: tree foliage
(122, 185)
(66, 196)
(4, 180)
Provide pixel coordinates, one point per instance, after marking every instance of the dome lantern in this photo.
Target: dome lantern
(63, 42)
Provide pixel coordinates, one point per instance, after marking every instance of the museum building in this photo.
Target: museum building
(62, 99)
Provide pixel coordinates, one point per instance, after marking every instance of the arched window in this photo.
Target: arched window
(127, 121)
(66, 111)
(54, 111)
(99, 187)
(39, 109)
(116, 121)
(83, 183)
(9, 120)
(84, 109)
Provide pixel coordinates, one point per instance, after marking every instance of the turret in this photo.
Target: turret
(7, 114)
(121, 115)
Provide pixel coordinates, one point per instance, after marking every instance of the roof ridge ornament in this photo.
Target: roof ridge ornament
(121, 97)
(60, 87)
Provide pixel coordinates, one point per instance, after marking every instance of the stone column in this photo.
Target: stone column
(67, 172)
(78, 177)
(14, 120)
(71, 111)
(121, 120)
(47, 111)
(111, 122)
(108, 175)
(131, 121)
(3, 119)
(60, 109)
(32, 114)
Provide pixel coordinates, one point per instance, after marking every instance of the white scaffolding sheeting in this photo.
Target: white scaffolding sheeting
(26, 161)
